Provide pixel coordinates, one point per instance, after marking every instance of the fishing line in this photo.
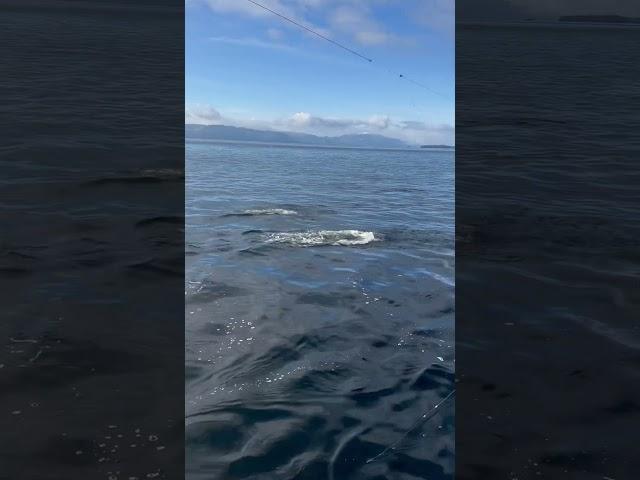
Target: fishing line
(423, 418)
(311, 31)
(350, 50)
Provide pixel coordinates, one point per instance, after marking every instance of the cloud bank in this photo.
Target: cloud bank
(411, 131)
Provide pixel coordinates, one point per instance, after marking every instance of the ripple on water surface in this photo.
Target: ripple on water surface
(319, 339)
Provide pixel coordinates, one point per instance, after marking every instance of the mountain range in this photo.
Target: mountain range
(228, 133)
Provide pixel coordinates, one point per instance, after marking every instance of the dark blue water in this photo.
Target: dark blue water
(91, 241)
(319, 313)
(547, 265)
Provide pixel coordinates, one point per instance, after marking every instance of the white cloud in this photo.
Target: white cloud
(437, 15)
(379, 121)
(358, 22)
(252, 42)
(301, 119)
(350, 18)
(246, 8)
(305, 119)
(288, 8)
(201, 114)
(413, 125)
(412, 131)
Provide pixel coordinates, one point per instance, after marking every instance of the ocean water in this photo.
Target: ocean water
(91, 241)
(319, 316)
(547, 265)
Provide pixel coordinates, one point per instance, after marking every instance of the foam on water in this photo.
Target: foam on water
(322, 237)
(269, 211)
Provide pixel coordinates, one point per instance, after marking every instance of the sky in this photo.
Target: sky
(247, 67)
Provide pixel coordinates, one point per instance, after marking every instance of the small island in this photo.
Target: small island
(600, 19)
(436, 146)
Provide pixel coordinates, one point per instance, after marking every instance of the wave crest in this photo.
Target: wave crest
(270, 211)
(262, 211)
(322, 237)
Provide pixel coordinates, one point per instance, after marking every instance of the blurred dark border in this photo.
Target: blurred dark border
(547, 264)
(92, 240)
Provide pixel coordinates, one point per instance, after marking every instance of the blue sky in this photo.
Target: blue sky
(247, 67)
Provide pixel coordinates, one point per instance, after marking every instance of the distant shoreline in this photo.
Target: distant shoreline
(302, 145)
(240, 134)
